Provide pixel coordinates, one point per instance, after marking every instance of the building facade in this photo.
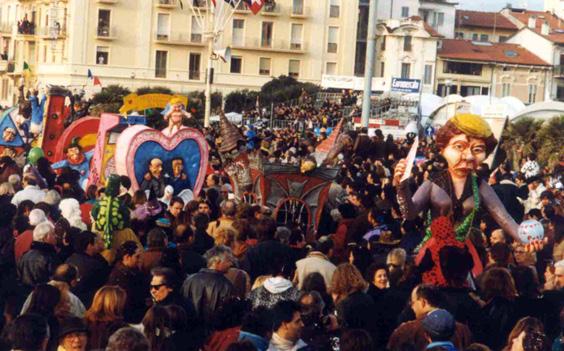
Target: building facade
(483, 26)
(468, 68)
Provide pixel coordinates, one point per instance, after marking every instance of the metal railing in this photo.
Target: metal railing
(106, 32)
(271, 44)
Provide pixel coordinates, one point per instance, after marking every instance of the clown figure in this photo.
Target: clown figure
(174, 117)
(76, 160)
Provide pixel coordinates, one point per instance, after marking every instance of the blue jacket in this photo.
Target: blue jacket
(37, 108)
(260, 343)
(447, 345)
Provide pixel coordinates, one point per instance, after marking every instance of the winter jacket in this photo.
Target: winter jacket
(206, 291)
(273, 290)
(38, 264)
(93, 272)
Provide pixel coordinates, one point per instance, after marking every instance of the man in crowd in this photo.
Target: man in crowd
(287, 326)
(38, 264)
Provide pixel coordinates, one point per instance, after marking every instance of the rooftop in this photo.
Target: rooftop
(556, 33)
(488, 52)
(480, 19)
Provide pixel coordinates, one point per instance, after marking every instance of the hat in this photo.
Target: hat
(36, 216)
(72, 325)
(439, 324)
(559, 267)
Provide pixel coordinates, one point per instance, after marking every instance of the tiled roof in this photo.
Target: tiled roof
(556, 24)
(483, 20)
(432, 32)
(488, 52)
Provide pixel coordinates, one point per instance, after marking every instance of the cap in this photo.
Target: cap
(72, 325)
(439, 324)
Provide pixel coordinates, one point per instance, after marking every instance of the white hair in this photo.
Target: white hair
(36, 216)
(42, 230)
(52, 197)
(70, 210)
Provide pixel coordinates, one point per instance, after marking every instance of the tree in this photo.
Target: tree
(197, 103)
(154, 90)
(519, 139)
(283, 89)
(551, 139)
(110, 94)
(240, 100)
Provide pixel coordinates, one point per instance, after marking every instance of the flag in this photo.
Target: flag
(254, 5)
(230, 2)
(96, 81)
(26, 67)
(90, 76)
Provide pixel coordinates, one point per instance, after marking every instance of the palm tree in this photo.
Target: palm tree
(519, 139)
(551, 139)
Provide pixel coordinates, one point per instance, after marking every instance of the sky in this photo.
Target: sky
(495, 5)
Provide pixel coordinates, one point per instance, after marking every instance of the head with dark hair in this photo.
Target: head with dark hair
(526, 281)
(455, 264)
(201, 221)
(25, 207)
(128, 254)
(177, 316)
(125, 181)
(314, 282)
(7, 215)
(500, 253)
(324, 245)
(356, 339)
(526, 326)
(258, 322)
(81, 241)
(360, 256)
(377, 274)
(347, 210)
(287, 320)
(156, 326)
(44, 299)
(156, 238)
(168, 277)
(29, 332)
(265, 229)
(230, 313)
(497, 282)
(128, 339)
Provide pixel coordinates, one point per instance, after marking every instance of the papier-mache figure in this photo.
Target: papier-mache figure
(178, 179)
(174, 117)
(37, 108)
(77, 160)
(110, 214)
(452, 198)
(153, 180)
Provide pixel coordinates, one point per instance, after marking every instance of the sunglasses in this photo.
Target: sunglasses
(157, 286)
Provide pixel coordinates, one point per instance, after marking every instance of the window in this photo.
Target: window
(332, 40)
(440, 19)
(334, 9)
(266, 37)
(194, 66)
(162, 26)
(331, 68)
(444, 90)
(485, 90)
(484, 37)
(236, 64)
(294, 69)
(296, 40)
(264, 66)
(160, 64)
(238, 32)
(382, 67)
(505, 89)
(102, 55)
(472, 69)
(103, 23)
(405, 70)
(407, 43)
(475, 36)
(459, 35)
(428, 76)
(467, 90)
(532, 93)
(383, 44)
(298, 7)
(404, 11)
(196, 31)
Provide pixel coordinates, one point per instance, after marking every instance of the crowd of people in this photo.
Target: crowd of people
(219, 274)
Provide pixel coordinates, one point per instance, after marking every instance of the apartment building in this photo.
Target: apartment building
(468, 67)
(554, 6)
(483, 26)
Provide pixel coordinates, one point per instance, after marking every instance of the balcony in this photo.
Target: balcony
(51, 33)
(242, 8)
(559, 71)
(179, 39)
(106, 33)
(256, 44)
(270, 9)
(300, 12)
(167, 4)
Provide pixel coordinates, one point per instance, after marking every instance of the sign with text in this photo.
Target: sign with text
(406, 85)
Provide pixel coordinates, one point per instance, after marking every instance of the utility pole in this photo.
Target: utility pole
(369, 64)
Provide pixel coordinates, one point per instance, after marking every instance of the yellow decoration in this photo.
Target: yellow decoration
(472, 125)
(134, 102)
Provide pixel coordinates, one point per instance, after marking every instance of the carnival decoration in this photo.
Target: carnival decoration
(85, 128)
(134, 102)
(530, 230)
(77, 160)
(56, 114)
(10, 136)
(138, 145)
(34, 155)
(455, 195)
(323, 149)
(110, 213)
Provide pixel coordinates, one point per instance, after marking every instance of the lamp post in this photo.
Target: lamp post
(369, 66)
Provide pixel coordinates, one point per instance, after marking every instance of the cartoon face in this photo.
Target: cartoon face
(73, 154)
(9, 134)
(156, 167)
(464, 154)
(177, 167)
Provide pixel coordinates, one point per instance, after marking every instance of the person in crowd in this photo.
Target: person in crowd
(256, 328)
(164, 287)
(190, 261)
(439, 326)
(228, 212)
(73, 335)
(317, 260)
(46, 301)
(38, 264)
(276, 287)
(377, 277)
(128, 339)
(287, 326)
(92, 267)
(156, 242)
(105, 316)
(202, 241)
(30, 332)
(208, 289)
(30, 191)
(356, 339)
(24, 240)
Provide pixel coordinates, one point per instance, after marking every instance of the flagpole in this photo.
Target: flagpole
(209, 74)
(369, 63)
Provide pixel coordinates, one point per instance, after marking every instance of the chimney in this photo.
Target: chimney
(532, 22)
(545, 28)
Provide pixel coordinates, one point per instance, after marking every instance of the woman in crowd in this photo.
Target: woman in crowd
(105, 316)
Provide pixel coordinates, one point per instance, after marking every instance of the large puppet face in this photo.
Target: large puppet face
(74, 155)
(177, 167)
(464, 154)
(156, 167)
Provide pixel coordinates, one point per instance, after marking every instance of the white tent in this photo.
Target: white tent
(232, 117)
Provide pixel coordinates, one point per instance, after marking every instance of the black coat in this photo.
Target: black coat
(500, 316)
(93, 272)
(465, 310)
(508, 192)
(190, 260)
(358, 311)
(38, 264)
(206, 291)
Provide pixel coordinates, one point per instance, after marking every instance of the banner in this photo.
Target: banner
(406, 85)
